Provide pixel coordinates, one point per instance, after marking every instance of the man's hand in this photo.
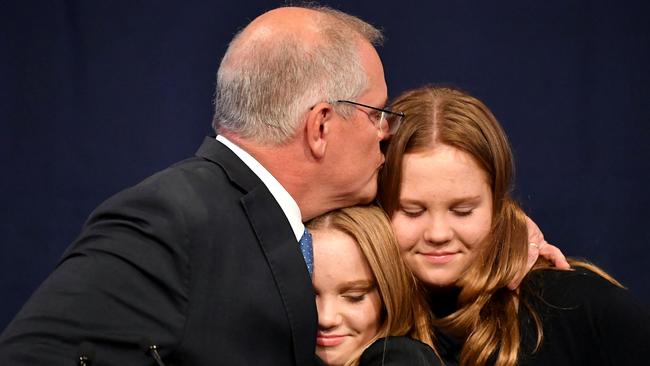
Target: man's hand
(539, 246)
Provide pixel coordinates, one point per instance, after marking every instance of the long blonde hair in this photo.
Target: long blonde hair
(487, 312)
(404, 311)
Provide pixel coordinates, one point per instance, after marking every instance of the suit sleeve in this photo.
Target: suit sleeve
(121, 284)
(398, 351)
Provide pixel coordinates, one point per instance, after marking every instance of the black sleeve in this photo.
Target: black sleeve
(623, 324)
(398, 351)
(123, 280)
(587, 320)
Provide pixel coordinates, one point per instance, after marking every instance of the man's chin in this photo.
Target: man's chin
(366, 200)
(368, 195)
(363, 196)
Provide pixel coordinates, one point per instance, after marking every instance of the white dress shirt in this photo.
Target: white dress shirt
(284, 199)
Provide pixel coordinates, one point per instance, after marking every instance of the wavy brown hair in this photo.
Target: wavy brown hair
(487, 311)
(404, 310)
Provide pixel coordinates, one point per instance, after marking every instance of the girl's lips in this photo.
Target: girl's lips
(439, 258)
(329, 340)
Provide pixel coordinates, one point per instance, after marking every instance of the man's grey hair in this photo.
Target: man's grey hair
(264, 92)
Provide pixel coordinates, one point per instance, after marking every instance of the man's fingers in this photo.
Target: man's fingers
(554, 255)
(535, 235)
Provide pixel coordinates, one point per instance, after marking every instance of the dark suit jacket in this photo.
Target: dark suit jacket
(198, 259)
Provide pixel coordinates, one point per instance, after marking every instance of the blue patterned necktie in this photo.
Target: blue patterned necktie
(307, 251)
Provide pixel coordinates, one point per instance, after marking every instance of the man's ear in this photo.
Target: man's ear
(318, 128)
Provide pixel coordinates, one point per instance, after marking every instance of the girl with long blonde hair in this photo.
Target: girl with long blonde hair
(363, 289)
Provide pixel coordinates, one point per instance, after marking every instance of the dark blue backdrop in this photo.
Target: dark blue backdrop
(94, 96)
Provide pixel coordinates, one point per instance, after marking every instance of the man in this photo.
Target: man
(202, 260)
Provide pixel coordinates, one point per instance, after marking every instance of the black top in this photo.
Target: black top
(398, 351)
(586, 321)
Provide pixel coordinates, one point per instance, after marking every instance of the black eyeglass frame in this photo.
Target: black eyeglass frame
(392, 128)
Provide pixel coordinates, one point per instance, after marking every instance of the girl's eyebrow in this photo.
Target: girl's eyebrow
(357, 285)
(467, 199)
(454, 201)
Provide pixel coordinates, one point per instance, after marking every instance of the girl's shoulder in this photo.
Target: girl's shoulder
(577, 290)
(398, 351)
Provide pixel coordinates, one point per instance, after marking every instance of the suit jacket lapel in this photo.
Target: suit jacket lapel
(279, 246)
(289, 270)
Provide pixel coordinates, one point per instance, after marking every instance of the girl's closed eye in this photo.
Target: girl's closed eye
(412, 211)
(462, 211)
(354, 295)
(357, 297)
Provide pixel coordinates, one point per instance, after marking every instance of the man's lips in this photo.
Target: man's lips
(438, 257)
(329, 340)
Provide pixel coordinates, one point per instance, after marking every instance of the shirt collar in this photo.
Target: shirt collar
(284, 199)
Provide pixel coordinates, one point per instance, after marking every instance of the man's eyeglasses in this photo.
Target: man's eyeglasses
(385, 120)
